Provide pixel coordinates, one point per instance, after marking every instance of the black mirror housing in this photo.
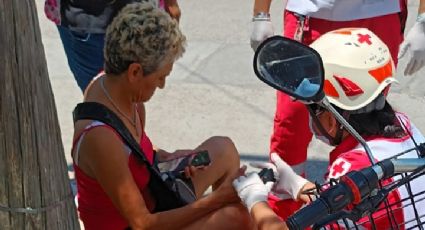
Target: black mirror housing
(290, 67)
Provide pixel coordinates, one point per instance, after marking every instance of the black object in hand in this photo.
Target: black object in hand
(267, 175)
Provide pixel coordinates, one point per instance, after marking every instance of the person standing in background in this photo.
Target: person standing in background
(82, 25)
(305, 21)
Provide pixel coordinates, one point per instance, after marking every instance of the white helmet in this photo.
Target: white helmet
(358, 67)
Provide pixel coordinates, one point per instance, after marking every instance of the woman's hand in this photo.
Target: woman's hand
(191, 171)
(182, 153)
(166, 156)
(225, 194)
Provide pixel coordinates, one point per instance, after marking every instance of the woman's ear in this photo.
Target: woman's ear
(134, 72)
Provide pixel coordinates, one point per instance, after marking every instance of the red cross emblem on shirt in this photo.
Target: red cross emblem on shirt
(339, 167)
(364, 38)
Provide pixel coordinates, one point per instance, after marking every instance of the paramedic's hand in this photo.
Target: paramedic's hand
(287, 181)
(414, 43)
(261, 30)
(251, 189)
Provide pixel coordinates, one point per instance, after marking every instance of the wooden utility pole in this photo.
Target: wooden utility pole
(34, 187)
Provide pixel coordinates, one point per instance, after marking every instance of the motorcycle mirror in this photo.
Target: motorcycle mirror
(290, 67)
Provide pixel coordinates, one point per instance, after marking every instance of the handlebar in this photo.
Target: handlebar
(352, 189)
(312, 213)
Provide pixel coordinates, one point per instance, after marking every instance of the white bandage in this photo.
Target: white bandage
(251, 189)
(288, 182)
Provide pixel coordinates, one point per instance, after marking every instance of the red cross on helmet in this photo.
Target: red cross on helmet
(358, 67)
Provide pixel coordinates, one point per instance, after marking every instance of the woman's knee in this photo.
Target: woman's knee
(224, 148)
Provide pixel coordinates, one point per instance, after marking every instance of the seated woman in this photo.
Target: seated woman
(357, 74)
(142, 43)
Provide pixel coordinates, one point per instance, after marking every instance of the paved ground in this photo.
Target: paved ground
(213, 90)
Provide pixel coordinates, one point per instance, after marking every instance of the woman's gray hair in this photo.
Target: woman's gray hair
(144, 34)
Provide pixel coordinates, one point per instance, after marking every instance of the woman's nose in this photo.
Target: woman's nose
(161, 84)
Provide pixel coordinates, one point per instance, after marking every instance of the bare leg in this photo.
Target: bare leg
(234, 216)
(224, 163)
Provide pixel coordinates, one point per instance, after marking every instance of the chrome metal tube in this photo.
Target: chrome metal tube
(378, 170)
(407, 164)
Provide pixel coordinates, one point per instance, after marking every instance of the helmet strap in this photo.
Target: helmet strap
(339, 133)
(319, 126)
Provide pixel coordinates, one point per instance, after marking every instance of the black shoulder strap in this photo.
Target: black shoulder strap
(99, 112)
(166, 197)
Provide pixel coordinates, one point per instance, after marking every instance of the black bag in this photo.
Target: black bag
(169, 192)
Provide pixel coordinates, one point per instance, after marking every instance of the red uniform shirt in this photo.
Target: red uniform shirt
(350, 155)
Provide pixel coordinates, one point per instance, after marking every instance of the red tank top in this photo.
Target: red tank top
(95, 208)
